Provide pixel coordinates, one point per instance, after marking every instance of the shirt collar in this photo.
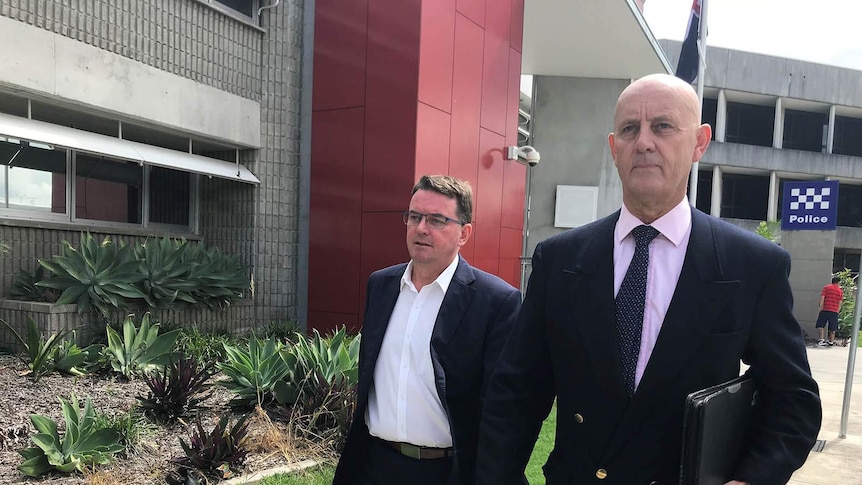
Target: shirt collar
(442, 281)
(673, 225)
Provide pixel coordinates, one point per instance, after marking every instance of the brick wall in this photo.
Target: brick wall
(190, 39)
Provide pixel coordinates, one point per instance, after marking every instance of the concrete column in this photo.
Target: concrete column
(721, 117)
(830, 131)
(772, 204)
(715, 202)
(778, 133)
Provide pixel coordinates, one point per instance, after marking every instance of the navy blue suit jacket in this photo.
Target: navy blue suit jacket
(474, 320)
(733, 301)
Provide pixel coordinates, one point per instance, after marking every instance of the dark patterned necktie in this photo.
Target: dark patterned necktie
(630, 304)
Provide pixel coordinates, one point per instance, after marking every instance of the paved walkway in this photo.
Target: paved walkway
(840, 462)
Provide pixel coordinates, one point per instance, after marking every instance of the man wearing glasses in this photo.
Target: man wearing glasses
(432, 332)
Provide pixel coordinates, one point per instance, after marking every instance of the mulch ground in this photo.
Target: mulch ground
(20, 398)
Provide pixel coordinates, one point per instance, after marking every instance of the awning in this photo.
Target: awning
(606, 39)
(96, 144)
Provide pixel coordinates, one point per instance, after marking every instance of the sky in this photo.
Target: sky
(822, 31)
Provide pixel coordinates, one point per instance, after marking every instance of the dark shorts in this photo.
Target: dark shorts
(828, 317)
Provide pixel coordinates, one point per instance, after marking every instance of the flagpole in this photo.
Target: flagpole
(701, 69)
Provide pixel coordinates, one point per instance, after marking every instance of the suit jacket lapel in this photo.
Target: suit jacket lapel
(455, 303)
(591, 292)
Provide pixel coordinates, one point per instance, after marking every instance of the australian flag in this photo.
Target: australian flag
(689, 58)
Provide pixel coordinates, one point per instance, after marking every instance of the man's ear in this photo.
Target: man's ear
(466, 232)
(704, 136)
(611, 145)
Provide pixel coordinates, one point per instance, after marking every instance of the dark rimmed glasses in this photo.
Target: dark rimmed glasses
(436, 221)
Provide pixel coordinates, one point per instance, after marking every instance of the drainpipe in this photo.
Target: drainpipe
(261, 9)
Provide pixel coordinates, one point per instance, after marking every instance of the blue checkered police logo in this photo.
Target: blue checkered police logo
(810, 205)
(812, 198)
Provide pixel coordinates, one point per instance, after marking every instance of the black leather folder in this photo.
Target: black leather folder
(715, 431)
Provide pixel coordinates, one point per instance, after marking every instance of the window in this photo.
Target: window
(704, 190)
(846, 139)
(846, 258)
(849, 205)
(744, 196)
(750, 124)
(169, 196)
(34, 177)
(246, 7)
(108, 190)
(805, 131)
(710, 115)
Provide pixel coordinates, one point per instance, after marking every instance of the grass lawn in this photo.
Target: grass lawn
(320, 475)
(323, 475)
(543, 448)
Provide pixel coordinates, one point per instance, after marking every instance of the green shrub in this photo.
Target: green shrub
(205, 346)
(99, 276)
(24, 287)
(83, 444)
(71, 360)
(40, 351)
(257, 371)
(131, 426)
(139, 349)
(848, 304)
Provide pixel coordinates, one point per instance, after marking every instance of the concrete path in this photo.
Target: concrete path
(840, 462)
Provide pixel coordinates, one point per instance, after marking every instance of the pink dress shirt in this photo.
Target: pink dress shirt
(666, 255)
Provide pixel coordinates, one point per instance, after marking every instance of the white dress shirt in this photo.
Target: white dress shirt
(666, 255)
(403, 405)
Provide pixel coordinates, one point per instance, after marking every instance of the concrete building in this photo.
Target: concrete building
(774, 120)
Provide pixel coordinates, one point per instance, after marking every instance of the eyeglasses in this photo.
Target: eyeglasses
(437, 221)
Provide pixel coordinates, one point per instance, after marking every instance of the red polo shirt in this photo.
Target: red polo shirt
(832, 296)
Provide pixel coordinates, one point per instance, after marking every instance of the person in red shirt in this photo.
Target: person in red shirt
(830, 304)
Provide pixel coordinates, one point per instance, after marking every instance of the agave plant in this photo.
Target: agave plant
(219, 451)
(214, 279)
(257, 372)
(335, 359)
(83, 444)
(24, 286)
(39, 350)
(139, 349)
(72, 360)
(101, 276)
(166, 272)
(176, 389)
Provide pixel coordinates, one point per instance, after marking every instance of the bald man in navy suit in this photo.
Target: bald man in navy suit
(626, 316)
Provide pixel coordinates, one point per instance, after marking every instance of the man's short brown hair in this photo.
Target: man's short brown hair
(453, 188)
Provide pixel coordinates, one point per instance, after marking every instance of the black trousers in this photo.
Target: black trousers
(384, 466)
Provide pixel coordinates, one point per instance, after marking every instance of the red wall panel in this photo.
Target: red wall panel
(516, 26)
(514, 188)
(510, 256)
(513, 97)
(427, 76)
(336, 203)
(384, 241)
(328, 322)
(474, 10)
(496, 65)
(436, 50)
(340, 30)
(466, 100)
(488, 206)
(390, 100)
(432, 141)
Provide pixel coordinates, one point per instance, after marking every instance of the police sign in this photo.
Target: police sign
(811, 205)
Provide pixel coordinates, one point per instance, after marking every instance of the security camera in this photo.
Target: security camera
(523, 154)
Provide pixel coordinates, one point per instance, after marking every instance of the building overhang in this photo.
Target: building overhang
(96, 144)
(606, 39)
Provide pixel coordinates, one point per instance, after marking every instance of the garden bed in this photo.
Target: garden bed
(113, 395)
